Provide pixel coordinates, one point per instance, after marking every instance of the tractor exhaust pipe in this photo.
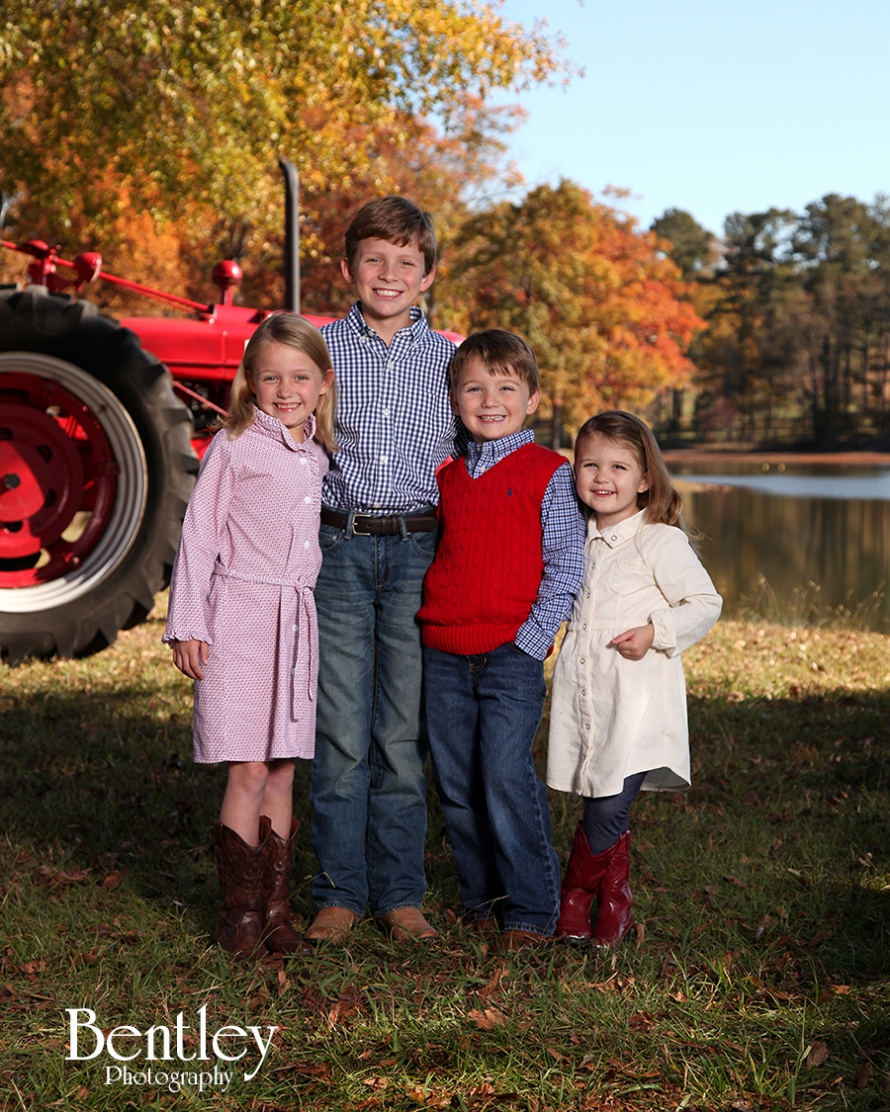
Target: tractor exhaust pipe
(291, 236)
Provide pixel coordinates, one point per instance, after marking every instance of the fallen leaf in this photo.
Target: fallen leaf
(489, 990)
(491, 1017)
(817, 1054)
(112, 880)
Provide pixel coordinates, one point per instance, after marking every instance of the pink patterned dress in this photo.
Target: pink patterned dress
(242, 581)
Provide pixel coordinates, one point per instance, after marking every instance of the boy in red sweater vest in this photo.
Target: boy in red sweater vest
(509, 564)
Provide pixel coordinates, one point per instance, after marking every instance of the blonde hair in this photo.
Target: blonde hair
(294, 332)
(662, 503)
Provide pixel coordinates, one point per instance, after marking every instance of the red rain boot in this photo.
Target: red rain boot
(614, 895)
(579, 886)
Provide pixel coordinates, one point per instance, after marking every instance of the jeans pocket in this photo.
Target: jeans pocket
(425, 544)
(329, 538)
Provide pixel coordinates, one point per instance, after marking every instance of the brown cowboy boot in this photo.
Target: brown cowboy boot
(580, 884)
(279, 934)
(240, 927)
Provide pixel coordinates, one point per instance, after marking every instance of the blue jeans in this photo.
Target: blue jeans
(482, 712)
(368, 789)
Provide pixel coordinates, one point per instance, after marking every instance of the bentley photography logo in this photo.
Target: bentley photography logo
(187, 1055)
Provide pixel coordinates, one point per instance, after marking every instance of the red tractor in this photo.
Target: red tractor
(100, 434)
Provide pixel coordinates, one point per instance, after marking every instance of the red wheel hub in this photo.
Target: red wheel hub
(55, 463)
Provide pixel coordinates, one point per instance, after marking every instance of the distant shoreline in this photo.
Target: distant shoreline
(734, 455)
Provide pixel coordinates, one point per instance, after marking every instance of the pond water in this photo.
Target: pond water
(793, 543)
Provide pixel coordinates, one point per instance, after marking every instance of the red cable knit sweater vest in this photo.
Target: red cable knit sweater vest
(488, 568)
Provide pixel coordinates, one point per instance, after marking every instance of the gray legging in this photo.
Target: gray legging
(605, 818)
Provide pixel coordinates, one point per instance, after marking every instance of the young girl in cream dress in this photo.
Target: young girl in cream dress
(618, 716)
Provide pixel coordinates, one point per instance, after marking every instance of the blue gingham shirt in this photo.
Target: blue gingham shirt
(562, 544)
(394, 422)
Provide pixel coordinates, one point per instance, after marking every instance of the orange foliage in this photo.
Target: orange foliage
(606, 312)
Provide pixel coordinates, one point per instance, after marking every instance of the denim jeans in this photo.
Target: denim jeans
(368, 789)
(482, 713)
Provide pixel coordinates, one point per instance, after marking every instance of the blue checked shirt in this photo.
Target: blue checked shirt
(394, 422)
(562, 544)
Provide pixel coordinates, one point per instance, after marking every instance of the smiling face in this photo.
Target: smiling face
(608, 478)
(491, 406)
(287, 385)
(388, 280)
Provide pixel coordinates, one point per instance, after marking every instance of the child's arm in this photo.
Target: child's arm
(693, 604)
(562, 548)
(199, 546)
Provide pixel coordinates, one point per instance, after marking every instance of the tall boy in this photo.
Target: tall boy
(510, 562)
(378, 537)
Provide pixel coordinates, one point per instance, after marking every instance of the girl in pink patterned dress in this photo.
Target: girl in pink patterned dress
(242, 620)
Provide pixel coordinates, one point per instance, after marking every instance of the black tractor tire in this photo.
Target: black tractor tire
(147, 431)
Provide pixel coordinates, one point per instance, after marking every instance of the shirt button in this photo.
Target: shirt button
(303, 462)
(584, 626)
(389, 365)
(581, 660)
(295, 627)
(386, 412)
(305, 544)
(614, 538)
(588, 594)
(384, 459)
(307, 499)
(586, 725)
(583, 689)
(376, 505)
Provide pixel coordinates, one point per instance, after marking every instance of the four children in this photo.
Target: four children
(511, 562)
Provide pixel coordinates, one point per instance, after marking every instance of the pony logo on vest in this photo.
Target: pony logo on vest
(198, 1058)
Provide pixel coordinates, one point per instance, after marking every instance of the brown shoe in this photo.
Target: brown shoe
(331, 924)
(407, 924)
(278, 934)
(486, 928)
(240, 927)
(517, 940)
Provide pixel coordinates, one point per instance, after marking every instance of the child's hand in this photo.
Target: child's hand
(634, 643)
(190, 657)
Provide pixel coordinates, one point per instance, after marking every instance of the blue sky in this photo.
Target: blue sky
(713, 106)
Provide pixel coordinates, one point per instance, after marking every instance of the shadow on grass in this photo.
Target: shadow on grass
(791, 801)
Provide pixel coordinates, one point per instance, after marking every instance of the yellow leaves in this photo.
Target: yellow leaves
(154, 79)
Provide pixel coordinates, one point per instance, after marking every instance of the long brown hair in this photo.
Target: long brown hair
(294, 332)
(662, 503)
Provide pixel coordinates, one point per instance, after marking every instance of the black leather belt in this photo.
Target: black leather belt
(364, 525)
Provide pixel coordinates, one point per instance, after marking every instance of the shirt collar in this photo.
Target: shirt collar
(416, 328)
(617, 534)
(493, 450)
(272, 427)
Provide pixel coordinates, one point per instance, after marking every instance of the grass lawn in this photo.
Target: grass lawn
(757, 977)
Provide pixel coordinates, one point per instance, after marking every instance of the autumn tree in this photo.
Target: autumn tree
(112, 107)
(596, 298)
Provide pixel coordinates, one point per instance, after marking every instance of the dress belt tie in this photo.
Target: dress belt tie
(302, 652)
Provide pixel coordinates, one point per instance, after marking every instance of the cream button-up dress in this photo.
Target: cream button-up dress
(611, 717)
